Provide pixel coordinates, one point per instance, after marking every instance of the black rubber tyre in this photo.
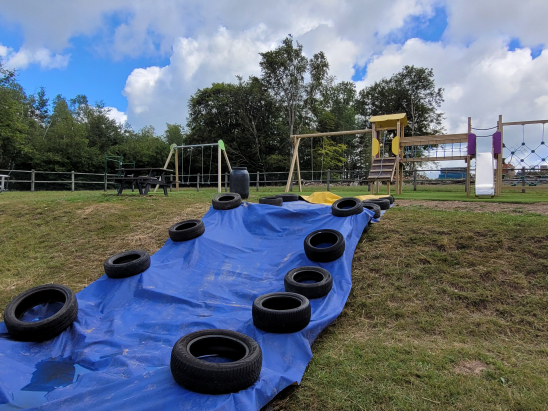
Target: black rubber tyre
(288, 197)
(186, 230)
(325, 254)
(293, 281)
(347, 206)
(47, 328)
(281, 312)
(205, 377)
(383, 204)
(275, 201)
(389, 198)
(127, 264)
(227, 201)
(373, 207)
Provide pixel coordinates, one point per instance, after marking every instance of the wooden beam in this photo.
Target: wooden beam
(523, 123)
(176, 169)
(299, 167)
(408, 160)
(227, 162)
(219, 169)
(292, 167)
(167, 163)
(335, 133)
(498, 185)
(468, 161)
(438, 139)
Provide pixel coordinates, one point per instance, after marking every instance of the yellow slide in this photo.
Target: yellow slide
(328, 198)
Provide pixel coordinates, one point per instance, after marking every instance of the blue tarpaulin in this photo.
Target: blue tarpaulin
(116, 354)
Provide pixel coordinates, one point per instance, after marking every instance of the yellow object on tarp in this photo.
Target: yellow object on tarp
(328, 198)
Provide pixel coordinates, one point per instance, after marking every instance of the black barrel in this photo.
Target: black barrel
(239, 181)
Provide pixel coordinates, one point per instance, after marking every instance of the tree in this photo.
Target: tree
(174, 134)
(13, 116)
(412, 91)
(243, 115)
(284, 70)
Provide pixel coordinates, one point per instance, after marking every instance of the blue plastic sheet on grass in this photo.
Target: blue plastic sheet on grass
(116, 354)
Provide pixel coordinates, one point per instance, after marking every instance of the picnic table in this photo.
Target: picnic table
(143, 178)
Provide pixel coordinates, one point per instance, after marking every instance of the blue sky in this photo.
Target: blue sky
(145, 59)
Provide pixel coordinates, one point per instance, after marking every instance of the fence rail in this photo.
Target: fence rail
(26, 180)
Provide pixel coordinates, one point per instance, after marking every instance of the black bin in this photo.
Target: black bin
(239, 181)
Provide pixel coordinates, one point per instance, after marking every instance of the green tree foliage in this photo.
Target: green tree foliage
(254, 118)
(284, 72)
(174, 134)
(243, 115)
(14, 110)
(412, 91)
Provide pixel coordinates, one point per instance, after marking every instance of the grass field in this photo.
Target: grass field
(448, 309)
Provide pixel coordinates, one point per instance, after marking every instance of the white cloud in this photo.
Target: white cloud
(25, 57)
(526, 20)
(116, 115)
(157, 95)
(207, 44)
(482, 80)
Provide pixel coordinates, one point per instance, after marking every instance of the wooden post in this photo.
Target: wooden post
(198, 182)
(72, 181)
(165, 166)
(468, 161)
(257, 181)
(400, 152)
(299, 168)
(397, 163)
(176, 168)
(414, 180)
(32, 181)
(293, 160)
(499, 160)
(328, 177)
(218, 168)
(373, 136)
(227, 162)
(401, 181)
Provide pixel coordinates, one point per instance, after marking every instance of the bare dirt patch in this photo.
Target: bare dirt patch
(103, 208)
(470, 367)
(538, 208)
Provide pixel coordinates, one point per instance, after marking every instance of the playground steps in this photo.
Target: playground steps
(382, 169)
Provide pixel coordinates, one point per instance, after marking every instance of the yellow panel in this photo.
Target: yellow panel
(375, 147)
(389, 120)
(396, 145)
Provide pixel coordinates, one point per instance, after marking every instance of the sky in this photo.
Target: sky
(145, 59)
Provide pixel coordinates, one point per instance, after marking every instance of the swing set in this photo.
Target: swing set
(174, 149)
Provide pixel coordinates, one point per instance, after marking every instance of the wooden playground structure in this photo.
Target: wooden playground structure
(388, 167)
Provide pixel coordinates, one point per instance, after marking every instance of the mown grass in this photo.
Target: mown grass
(433, 292)
(437, 295)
